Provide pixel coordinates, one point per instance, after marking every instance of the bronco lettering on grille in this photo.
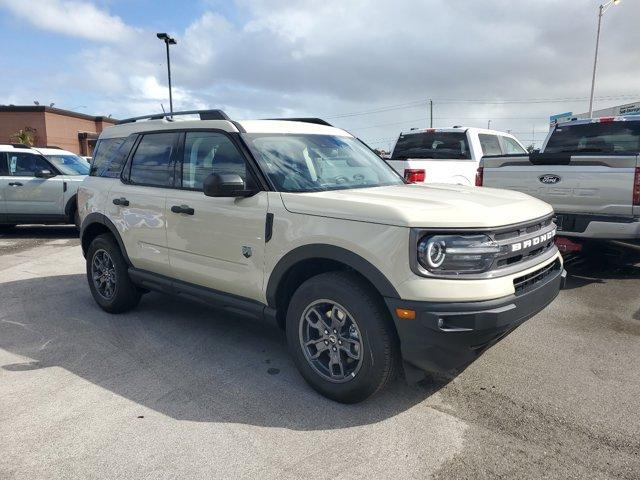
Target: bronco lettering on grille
(532, 242)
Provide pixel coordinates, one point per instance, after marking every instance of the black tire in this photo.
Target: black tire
(124, 295)
(378, 344)
(76, 219)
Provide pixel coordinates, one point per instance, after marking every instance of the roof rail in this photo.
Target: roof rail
(20, 145)
(317, 121)
(53, 146)
(204, 115)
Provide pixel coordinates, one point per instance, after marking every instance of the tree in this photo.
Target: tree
(26, 136)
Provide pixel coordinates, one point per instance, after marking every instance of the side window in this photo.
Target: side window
(209, 152)
(26, 164)
(109, 156)
(151, 163)
(490, 144)
(511, 147)
(3, 164)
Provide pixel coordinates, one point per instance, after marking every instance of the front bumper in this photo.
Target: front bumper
(445, 337)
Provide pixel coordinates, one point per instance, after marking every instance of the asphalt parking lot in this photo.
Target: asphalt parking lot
(176, 390)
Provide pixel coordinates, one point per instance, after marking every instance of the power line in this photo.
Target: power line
(486, 117)
(422, 103)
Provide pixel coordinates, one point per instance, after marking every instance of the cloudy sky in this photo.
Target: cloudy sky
(368, 66)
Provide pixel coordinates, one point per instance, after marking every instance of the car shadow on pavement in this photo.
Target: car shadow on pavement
(181, 359)
(600, 262)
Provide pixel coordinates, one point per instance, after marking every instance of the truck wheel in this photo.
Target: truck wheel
(341, 337)
(108, 277)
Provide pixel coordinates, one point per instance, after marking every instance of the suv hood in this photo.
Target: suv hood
(416, 205)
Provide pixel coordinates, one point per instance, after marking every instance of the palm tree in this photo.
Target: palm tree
(26, 136)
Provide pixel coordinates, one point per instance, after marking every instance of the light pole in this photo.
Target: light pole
(168, 41)
(601, 11)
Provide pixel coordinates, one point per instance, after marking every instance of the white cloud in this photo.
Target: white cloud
(72, 18)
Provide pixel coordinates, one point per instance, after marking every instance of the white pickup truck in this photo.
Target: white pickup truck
(588, 170)
(448, 155)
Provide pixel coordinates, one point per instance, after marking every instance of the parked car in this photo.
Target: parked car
(301, 223)
(589, 170)
(448, 155)
(35, 188)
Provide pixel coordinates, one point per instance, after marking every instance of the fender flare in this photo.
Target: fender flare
(99, 218)
(71, 205)
(327, 252)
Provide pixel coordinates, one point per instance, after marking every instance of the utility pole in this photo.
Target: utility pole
(601, 10)
(430, 113)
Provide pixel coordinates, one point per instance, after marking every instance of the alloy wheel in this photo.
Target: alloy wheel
(331, 341)
(103, 273)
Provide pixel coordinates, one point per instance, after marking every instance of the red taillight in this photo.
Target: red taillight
(414, 175)
(636, 187)
(607, 119)
(479, 175)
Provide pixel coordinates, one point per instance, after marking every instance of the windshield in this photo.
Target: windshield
(432, 144)
(69, 164)
(311, 163)
(611, 137)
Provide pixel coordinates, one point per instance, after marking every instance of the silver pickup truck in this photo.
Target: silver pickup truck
(588, 170)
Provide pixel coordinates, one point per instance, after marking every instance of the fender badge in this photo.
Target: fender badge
(246, 251)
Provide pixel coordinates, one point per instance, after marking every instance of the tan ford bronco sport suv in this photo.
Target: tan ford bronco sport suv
(299, 222)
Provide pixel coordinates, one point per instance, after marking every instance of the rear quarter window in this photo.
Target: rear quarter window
(110, 155)
(490, 144)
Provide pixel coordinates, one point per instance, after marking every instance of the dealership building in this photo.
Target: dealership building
(53, 127)
(627, 109)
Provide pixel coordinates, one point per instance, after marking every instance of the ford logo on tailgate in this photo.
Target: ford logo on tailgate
(549, 179)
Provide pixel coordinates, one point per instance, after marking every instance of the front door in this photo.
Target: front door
(27, 196)
(219, 242)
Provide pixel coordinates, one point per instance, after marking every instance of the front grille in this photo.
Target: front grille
(527, 282)
(524, 242)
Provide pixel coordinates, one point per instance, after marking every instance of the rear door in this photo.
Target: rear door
(443, 157)
(220, 242)
(136, 204)
(27, 196)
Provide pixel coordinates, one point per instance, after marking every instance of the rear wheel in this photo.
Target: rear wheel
(108, 276)
(341, 337)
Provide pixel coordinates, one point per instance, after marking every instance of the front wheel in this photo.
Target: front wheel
(342, 339)
(108, 276)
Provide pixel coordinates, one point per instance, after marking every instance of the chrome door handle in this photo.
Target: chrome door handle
(123, 202)
(186, 209)
(15, 184)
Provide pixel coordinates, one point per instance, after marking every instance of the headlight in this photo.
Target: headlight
(457, 253)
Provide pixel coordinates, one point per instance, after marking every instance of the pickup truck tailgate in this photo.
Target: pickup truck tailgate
(593, 184)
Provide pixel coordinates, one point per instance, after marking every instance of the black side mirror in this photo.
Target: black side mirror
(44, 174)
(225, 185)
